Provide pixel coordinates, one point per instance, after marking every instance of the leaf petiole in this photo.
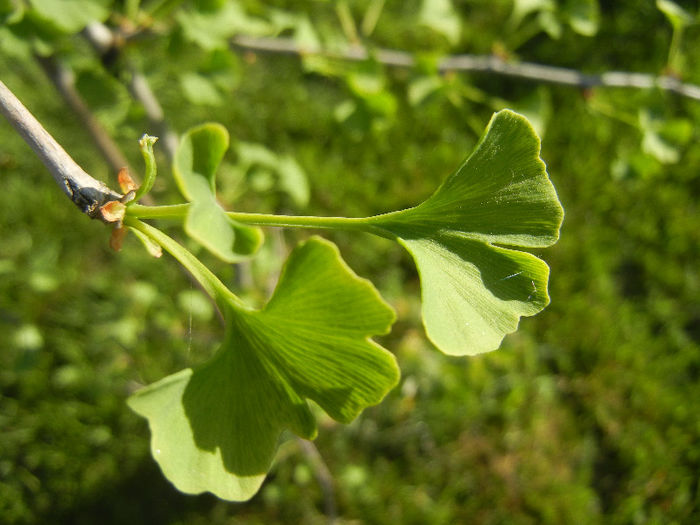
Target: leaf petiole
(305, 221)
(172, 211)
(179, 211)
(210, 282)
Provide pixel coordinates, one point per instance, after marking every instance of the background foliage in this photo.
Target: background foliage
(588, 414)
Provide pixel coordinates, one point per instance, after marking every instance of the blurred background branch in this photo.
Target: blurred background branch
(490, 64)
(86, 192)
(64, 82)
(108, 43)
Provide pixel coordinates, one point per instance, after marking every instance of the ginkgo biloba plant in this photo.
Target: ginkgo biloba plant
(216, 427)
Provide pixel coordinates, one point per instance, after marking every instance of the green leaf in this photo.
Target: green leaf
(11, 11)
(422, 87)
(440, 16)
(199, 90)
(474, 291)
(250, 153)
(522, 8)
(212, 27)
(69, 16)
(152, 248)
(550, 24)
(584, 16)
(676, 15)
(208, 224)
(305, 34)
(14, 46)
(292, 179)
(198, 156)
(664, 138)
(216, 428)
(107, 98)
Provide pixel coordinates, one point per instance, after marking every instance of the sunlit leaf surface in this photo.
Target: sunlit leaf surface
(216, 428)
(474, 290)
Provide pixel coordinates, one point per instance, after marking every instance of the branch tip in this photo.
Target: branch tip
(84, 191)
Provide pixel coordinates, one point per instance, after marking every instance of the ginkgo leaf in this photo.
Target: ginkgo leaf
(216, 428)
(207, 223)
(198, 156)
(68, 16)
(474, 292)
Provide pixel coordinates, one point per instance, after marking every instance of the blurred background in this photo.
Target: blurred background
(587, 414)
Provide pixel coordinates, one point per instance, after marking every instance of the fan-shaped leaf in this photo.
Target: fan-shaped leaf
(473, 291)
(216, 428)
(198, 157)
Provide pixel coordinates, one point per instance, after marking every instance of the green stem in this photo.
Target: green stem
(173, 211)
(357, 224)
(210, 282)
(179, 211)
(301, 221)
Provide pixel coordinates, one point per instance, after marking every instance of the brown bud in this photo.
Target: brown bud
(126, 183)
(113, 211)
(117, 238)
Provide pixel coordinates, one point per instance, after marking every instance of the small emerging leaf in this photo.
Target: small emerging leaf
(146, 143)
(116, 239)
(216, 428)
(152, 248)
(126, 183)
(474, 292)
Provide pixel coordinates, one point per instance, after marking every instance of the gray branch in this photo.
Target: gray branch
(86, 192)
(480, 64)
